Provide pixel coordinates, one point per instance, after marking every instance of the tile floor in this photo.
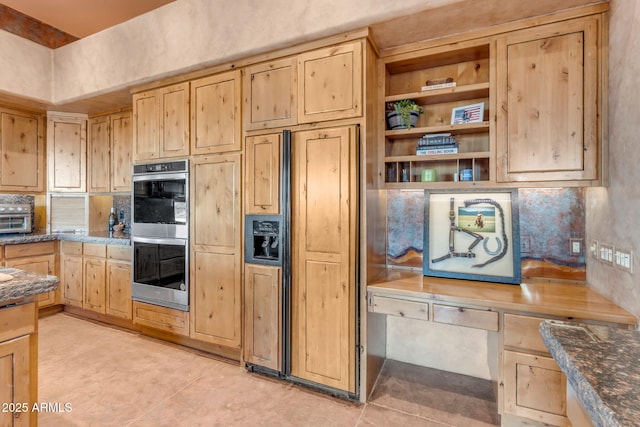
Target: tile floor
(112, 377)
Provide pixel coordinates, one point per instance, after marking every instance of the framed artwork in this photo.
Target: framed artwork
(472, 235)
(473, 113)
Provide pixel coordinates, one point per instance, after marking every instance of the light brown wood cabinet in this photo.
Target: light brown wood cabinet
(330, 83)
(161, 123)
(110, 144)
(94, 279)
(38, 258)
(548, 119)
(216, 124)
(22, 151)
(67, 152)
(262, 174)
(18, 364)
(118, 298)
(71, 278)
(262, 316)
(216, 241)
(324, 214)
(271, 94)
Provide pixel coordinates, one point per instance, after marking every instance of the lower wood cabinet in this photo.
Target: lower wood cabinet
(39, 257)
(161, 318)
(262, 319)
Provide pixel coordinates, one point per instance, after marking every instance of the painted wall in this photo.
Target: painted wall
(26, 68)
(612, 212)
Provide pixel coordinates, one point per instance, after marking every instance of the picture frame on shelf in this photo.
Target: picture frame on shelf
(472, 113)
(472, 235)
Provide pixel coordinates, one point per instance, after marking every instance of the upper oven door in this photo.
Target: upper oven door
(160, 205)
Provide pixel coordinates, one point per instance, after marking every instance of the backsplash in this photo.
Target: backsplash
(123, 210)
(548, 219)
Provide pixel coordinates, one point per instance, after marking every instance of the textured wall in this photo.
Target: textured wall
(612, 212)
(26, 68)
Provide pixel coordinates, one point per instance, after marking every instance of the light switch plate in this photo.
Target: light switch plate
(606, 253)
(575, 246)
(623, 259)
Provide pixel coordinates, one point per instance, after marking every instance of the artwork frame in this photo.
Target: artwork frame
(473, 235)
(472, 113)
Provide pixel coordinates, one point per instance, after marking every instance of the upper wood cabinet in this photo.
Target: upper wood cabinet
(22, 151)
(216, 125)
(262, 174)
(67, 152)
(330, 83)
(110, 153)
(548, 115)
(270, 94)
(161, 123)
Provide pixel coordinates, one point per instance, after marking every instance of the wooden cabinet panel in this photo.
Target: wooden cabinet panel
(522, 332)
(99, 173)
(22, 151)
(174, 123)
(534, 387)
(29, 249)
(215, 114)
(330, 83)
(94, 249)
(163, 318)
(262, 316)
(66, 153)
(94, 285)
(146, 129)
(71, 279)
(262, 172)
(121, 151)
(17, 320)
(324, 201)
(15, 366)
(463, 316)
(270, 94)
(402, 308)
(118, 289)
(547, 94)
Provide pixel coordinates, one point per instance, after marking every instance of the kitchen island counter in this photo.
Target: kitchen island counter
(601, 366)
(24, 284)
(115, 238)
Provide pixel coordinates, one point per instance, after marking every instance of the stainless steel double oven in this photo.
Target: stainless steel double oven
(160, 234)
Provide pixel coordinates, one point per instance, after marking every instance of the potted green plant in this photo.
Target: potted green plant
(403, 114)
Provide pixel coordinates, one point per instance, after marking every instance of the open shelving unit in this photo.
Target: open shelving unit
(405, 74)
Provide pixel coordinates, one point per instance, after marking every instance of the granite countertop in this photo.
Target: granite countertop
(25, 284)
(601, 364)
(115, 238)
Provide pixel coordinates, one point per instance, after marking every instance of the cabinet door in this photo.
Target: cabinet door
(22, 151)
(330, 83)
(94, 285)
(324, 209)
(67, 152)
(262, 174)
(534, 387)
(216, 241)
(42, 264)
(99, 157)
(146, 125)
(270, 94)
(215, 114)
(121, 146)
(547, 91)
(174, 122)
(119, 289)
(17, 381)
(262, 316)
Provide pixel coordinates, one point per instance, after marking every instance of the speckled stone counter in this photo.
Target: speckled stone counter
(25, 284)
(601, 364)
(105, 237)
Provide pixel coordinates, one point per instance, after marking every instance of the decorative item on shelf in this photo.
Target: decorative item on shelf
(473, 113)
(436, 144)
(441, 83)
(466, 175)
(428, 175)
(403, 114)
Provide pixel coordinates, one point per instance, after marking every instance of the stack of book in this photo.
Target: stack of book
(436, 144)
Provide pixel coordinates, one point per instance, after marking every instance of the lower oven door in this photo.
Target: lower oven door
(161, 272)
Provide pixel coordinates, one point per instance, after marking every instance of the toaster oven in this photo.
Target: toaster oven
(15, 219)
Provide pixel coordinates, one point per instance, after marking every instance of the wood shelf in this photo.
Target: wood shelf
(450, 94)
(414, 158)
(454, 129)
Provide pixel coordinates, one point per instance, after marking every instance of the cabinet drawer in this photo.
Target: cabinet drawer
(522, 332)
(94, 249)
(469, 317)
(165, 319)
(399, 307)
(122, 253)
(71, 248)
(29, 249)
(17, 320)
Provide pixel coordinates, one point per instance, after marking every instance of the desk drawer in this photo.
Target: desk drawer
(400, 307)
(469, 317)
(522, 332)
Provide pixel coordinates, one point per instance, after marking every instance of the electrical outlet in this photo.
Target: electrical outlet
(575, 246)
(525, 244)
(605, 253)
(623, 259)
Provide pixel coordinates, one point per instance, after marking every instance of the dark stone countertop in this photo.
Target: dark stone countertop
(601, 364)
(115, 238)
(25, 284)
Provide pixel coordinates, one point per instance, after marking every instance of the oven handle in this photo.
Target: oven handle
(159, 176)
(160, 241)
